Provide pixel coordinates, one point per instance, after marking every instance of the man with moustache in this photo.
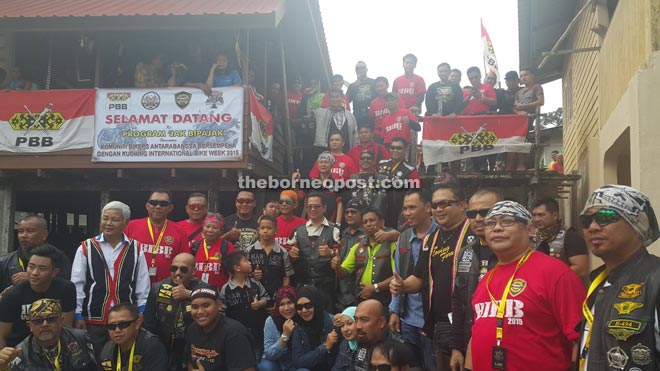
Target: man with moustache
(167, 313)
(474, 260)
(406, 311)
(351, 235)
(241, 227)
(621, 310)
(435, 270)
(196, 208)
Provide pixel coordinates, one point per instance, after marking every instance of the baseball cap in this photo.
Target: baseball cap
(356, 203)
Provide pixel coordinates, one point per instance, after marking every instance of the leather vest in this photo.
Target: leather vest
(623, 335)
(381, 267)
(346, 285)
(311, 268)
(108, 356)
(406, 261)
(76, 353)
(555, 246)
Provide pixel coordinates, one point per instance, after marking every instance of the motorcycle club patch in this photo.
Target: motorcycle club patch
(517, 286)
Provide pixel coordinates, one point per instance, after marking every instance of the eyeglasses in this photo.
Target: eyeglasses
(40, 321)
(381, 367)
(161, 203)
(504, 222)
(308, 305)
(443, 204)
(313, 207)
(396, 148)
(174, 268)
(121, 325)
(197, 207)
(366, 158)
(244, 201)
(285, 202)
(471, 214)
(602, 217)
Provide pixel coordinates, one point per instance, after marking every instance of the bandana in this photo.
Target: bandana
(510, 208)
(209, 293)
(44, 308)
(215, 218)
(547, 234)
(631, 205)
(350, 313)
(291, 194)
(327, 156)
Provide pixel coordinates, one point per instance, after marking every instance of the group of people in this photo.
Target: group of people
(464, 283)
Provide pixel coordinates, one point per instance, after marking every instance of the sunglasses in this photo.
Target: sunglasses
(244, 201)
(197, 207)
(40, 321)
(161, 203)
(174, 268)
(308, 305)
(396, 148)
(381, 368)
(471, 214)
(443, 204)
(504, 222)
(121, 325)
(285, 202)
(602, 217)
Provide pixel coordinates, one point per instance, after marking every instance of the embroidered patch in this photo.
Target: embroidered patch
(169, 240)
(517, 286)
(631, 291)
(617, 358)
(640, 354)
(627, 324)
(627, 307)
(621, 334)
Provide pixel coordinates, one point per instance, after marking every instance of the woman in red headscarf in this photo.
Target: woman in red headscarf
(210, 251)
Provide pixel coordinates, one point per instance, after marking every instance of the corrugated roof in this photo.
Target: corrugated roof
(113, 8)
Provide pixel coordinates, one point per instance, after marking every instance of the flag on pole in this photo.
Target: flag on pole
(490, 60)
(262, 127)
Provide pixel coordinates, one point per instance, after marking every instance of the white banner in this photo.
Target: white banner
(175, 124)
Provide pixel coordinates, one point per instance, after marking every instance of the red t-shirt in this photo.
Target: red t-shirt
(285, 229)
(173, 243)
(393, 125)
(556, 166)
(379, 150)
(542, 313)
(325, 103)
(344, 167)
(377, 111)
(212, 267)
(188, 228)
(294, 99)
(474, 105)
(409, 88)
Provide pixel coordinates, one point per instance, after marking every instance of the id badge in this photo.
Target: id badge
(450, 316)
(499, 358)
(205, 277)
(152, 271)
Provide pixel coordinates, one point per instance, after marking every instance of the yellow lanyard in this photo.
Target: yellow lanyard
(157, 243)
(502, 305)
(588, 316)
(130, 358)
(56, 361)
(206, 251)
(20, 262)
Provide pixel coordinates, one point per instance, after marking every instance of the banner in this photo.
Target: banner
(176, 124)
(447, 139)
(490, 60)
(39, 121)
(262, 127)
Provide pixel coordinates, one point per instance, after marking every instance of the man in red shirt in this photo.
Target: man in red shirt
(377, 108)
(287, 221)
(399, 121)
(366, 138)
(160, 239)
(337, 83)
(197, 207)
(210, 252)
(343, 166)
(478, 98)
(294, 95)
(542, 300)
(410, 87)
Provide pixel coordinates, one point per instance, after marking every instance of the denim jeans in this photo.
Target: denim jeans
(422, 344)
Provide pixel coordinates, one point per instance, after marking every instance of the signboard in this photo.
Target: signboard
(162, 125)
(447, 139)
(46, 120)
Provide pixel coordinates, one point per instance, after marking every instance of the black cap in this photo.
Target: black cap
(357, 204)
(391, 96)
(511, 75)
(210, 292)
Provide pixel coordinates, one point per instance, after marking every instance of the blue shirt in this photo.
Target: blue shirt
(414, 314)
(229, 79)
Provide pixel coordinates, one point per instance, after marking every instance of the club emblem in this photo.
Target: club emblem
(627, 307)
(182, 99)
(631, 291)
(517, 286)
(150, 100)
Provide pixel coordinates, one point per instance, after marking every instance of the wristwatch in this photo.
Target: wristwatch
(376, 288)
(284, 338)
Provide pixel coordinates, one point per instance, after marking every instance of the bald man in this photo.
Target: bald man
(167, 313)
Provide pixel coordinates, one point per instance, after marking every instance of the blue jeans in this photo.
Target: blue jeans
(268, 365)
(423, 344)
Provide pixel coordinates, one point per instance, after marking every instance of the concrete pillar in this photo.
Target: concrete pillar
(7, 209)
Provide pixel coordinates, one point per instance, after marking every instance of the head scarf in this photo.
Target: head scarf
(291, 194)
(328, 156)
(286, 292)
(631, 205)
(44, 308)
(314, 327)
(350, 313)
(215, 218)
(510, 208)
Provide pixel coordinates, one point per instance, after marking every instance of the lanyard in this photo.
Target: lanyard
(502, 305)
(56, 361)
(130, 358)
(157, 242)
(20, 262)
(588, 316)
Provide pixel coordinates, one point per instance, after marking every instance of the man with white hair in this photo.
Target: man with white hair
(107, 270)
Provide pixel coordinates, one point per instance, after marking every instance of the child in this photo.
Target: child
(399, 121)
(243, 298)
(270, 261)
(272, 208)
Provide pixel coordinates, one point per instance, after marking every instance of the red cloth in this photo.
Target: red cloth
(173, 243)
(393, 125)
(325, 103)
(409, 88)
(355, 151)
(285, 228)
(556, 166)
(344, 167)
(294, 102)
(540, 320)
(213, 266)
(377, 111)
(474, 105)
(188, 228)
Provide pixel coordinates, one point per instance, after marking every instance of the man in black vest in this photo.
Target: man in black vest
(131, 346)
(551, 238)
(623, 301)
(167, 313)
(351, 235)
(313, 246)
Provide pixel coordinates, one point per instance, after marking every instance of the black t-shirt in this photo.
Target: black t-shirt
(248, 228)
(573, 244)
(15, 305)
(449, 93)
(227, 347)
(361, 93)
(275, 266)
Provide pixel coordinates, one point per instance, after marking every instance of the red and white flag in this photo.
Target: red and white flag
(447, 139)
(262, 127)
(490, 60)
(46, 120)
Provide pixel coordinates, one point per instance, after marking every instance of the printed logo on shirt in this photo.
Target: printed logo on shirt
(162, 250)
(443, 253)
(25, 312)
(513, 313)
(395, 126)
(517, 286)
(407, 91)
(206, 355)
(381, 112)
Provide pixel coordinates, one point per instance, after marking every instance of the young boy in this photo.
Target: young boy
(399, 121)
(272, 208)
(270, 261)
(243, 298)
(366, 137)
